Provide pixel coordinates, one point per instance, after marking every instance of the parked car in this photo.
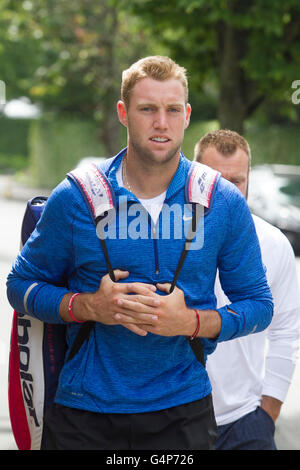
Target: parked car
(274, 195)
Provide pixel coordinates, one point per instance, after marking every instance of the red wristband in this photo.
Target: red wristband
(198, 325)
(70, 308)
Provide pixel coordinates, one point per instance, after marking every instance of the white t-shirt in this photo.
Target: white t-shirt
(153, 206)
(244, 369)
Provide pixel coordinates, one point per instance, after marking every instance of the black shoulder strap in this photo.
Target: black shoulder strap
(86, 180)
(87, 327)
(188, 240)
(82, 335)
(195, 344)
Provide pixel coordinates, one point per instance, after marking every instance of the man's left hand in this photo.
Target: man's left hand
(168, 315)
(271, 406)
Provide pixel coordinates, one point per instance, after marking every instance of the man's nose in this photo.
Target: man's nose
(160, 121)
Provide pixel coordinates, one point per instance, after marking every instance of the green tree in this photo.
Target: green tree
(248, 49)
(19, 49)
(72, 54)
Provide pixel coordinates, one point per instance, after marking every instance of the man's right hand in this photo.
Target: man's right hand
(102, 305)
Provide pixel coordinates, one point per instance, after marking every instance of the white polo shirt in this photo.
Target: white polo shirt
(244, 369)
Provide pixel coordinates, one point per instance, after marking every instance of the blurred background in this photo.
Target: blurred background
(60, 72)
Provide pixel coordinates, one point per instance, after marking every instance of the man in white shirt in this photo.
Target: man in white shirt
(251, 375)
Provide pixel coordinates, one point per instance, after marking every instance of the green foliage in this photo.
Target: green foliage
(13, 144)
(274, 144)
(56, 146)
(69, 56)
(194, 133)
(19, 49)
(250, 48)
(12, 163)
(268, 143)
(13, 136)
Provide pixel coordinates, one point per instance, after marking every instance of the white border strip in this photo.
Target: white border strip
(27, 294)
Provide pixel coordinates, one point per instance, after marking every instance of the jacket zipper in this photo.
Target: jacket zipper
(155, 251)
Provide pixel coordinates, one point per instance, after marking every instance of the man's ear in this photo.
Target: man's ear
(188, 115)
(122, 113)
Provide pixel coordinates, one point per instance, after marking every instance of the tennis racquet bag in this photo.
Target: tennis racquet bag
(37, 352)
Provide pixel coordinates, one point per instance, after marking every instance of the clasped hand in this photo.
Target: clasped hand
(139, 308)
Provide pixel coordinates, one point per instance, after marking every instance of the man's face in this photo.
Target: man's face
(234, 168)
(156, 119)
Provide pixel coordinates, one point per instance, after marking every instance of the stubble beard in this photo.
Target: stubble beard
(148, 157)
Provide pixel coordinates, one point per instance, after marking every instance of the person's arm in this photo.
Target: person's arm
(284, 331)
(242, 274)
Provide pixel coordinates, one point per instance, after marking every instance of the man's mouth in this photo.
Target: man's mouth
(159, 139)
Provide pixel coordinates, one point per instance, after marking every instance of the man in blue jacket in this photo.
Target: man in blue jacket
(136, 383)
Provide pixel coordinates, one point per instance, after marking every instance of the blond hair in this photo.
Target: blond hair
(159, 68)
(225, 141)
